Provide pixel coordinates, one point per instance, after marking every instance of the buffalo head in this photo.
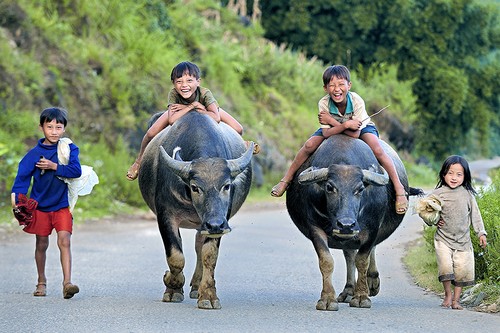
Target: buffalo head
(209, 184)
(343, 187)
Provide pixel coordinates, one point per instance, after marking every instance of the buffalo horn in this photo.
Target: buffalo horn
(180, 168)
(312, 175)
(375, 178)
(237, 165)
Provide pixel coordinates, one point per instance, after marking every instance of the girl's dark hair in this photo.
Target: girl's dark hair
(185, 67)
(339, 71)
(455, 159)
(49, 114)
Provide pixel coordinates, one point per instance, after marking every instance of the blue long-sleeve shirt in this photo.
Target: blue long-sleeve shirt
(50, 191)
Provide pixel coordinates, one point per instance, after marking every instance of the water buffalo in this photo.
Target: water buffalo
(195, 174)
(342, 199)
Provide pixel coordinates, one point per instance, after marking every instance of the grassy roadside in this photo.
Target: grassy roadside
(420, 261)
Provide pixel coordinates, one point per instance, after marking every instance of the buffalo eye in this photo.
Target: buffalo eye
(195, 188)
(226, 187)
(330, 188)
(359, 190)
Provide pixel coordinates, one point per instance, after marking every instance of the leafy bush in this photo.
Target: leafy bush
(488, 260)
(114, 194)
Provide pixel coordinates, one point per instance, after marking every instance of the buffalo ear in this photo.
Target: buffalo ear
(176, 154)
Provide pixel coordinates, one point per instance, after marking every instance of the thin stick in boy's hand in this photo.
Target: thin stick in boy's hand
(43, 170)
(376, 113)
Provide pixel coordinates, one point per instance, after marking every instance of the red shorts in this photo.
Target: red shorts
(61, 220)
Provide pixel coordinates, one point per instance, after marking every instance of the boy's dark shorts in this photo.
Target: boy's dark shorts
(367, 129)
(61, 220)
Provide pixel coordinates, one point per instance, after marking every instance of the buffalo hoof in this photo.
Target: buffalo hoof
(173, 296)
(193, 294)
(209, 305)
(360, 302)
(373, 285)
(327, 305)
(345, 297)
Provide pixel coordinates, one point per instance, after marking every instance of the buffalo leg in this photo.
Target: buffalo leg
(346, 294)
(328, 299)
(360, 298)
(173, 278)
(373, 275)
(207, 298)
(196, 279)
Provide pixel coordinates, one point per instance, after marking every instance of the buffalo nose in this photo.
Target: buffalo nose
(216, 226)
(346, 223)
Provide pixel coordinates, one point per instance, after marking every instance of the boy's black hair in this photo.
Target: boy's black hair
(49, 114)
(339, 71)
(455, 159)
(185, 67)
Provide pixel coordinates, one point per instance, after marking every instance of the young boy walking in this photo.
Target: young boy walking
(41, 165)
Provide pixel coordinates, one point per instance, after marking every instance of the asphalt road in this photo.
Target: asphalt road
(267, 276)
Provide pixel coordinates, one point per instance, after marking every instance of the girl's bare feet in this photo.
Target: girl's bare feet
(446, 302)
(445, 305)
(455, 305)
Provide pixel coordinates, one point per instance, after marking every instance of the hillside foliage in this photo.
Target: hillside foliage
(108, 63)
(448, 49)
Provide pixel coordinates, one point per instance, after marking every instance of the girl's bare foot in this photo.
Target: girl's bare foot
(455, 305)
(446, 302)
(445, 305)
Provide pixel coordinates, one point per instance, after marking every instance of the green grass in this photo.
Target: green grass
(421, 262)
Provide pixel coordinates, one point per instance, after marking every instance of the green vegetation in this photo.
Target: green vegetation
(109, 62)
(447, 48)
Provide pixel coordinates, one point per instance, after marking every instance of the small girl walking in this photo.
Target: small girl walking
(452, 240)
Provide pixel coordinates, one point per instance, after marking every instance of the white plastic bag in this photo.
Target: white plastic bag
(80, 186)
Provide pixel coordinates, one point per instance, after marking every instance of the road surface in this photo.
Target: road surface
(267, 276)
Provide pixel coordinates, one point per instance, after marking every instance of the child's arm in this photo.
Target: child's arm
(45, 164)
(178, 110)
(25, 172)
(228, 119)
(73, 169)
(211, 110)
(350, 127)
(477, 222)
(175, 111)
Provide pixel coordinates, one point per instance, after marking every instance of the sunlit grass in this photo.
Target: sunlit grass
(421, 262)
